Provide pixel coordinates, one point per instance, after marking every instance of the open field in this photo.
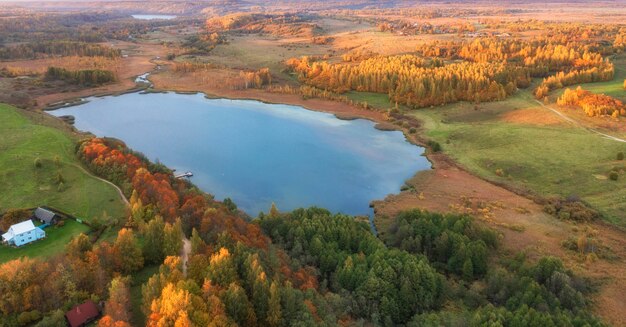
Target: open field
(540, 153)
(24, 185)
(54, 243)
(614, 88)
(537, 156)
(136, 297)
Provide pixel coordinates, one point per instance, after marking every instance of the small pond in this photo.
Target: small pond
(151, 17)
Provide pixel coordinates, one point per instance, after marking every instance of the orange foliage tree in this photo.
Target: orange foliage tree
(592, 104)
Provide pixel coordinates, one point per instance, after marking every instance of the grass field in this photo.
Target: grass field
(614, 88)
(136, 297)
(548, 159)
(376, 100)
(56, 238)
(23, 185)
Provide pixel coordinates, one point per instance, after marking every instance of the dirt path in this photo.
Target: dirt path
(119, 190)
(185, 252)
(575, 122)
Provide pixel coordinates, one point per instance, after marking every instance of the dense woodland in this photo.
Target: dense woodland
(37, 50)
(413, 81)
(306, 267)
(484, 69)
(87, 77)
(592, 104)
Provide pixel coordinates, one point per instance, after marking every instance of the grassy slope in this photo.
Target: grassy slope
(376, 100)
(549, 160)
(56, 238)
(136, 297)
(22, 185)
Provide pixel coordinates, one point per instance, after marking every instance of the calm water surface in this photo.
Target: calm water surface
(257, 153)
(149, 17)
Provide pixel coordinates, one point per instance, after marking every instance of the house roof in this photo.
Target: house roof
(22, 227)
(43, 214)
(82, 314)
(7, 236)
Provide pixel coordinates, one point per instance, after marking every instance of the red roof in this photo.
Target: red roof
(82, 314)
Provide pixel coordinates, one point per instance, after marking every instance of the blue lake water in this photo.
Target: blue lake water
(150, 17)
(258, 153)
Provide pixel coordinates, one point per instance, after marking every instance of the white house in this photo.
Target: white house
(23, 233)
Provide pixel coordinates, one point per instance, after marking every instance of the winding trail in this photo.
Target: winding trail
(119, 190)
(573, 121)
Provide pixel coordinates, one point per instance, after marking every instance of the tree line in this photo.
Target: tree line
(592, 104)
(306, 267)
(87, 77)
(43, 49)
(413, 81)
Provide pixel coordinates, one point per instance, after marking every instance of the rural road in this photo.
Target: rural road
(186, 251)
(571, 120)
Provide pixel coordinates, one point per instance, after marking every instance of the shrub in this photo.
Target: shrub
(570, 209)
(28, 317)
(38, 163)
(412, 130)
(434, 146)
(613, 175)
(620, 156)
(59, 178)
(500, 172)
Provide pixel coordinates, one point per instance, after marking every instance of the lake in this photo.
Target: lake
(258, 153)
(149, 17)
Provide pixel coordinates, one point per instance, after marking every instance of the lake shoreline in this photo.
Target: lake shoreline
(303, 139)
(442, 166)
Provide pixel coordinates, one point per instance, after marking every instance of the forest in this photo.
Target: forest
(524, 247)
(87, 77)
(592, 104)
(37, 50)
(305, 267)
(491, 69)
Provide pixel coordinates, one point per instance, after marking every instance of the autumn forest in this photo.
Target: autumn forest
(518, 110)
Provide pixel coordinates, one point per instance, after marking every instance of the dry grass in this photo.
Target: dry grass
(532, 116)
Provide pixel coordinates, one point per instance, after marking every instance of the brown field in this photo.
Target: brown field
(139, 61)
(533, 116)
